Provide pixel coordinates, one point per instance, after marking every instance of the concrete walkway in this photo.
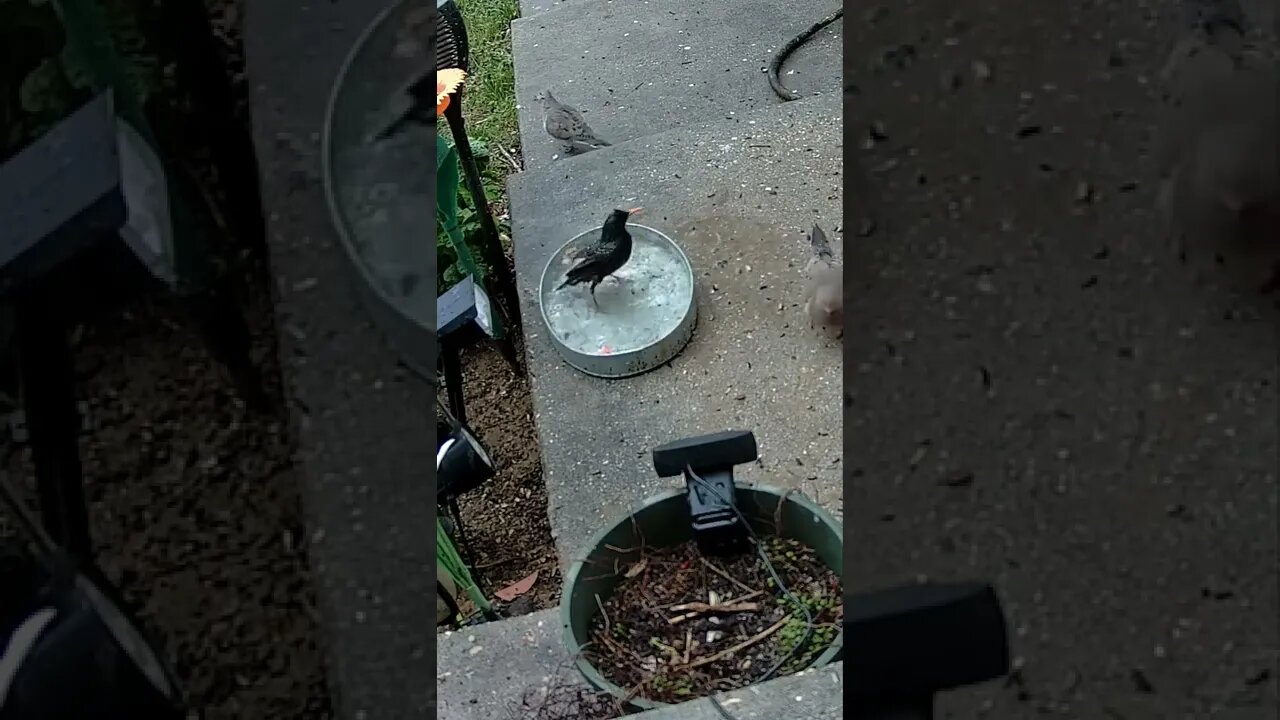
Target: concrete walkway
(738, 178)
(362, 419)
(1040, 393)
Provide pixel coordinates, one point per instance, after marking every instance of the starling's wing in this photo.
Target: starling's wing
(593, 252)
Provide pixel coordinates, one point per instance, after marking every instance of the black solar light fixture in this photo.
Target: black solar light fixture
(69, 648)
(706, 462)
(60, 198)
(913, 641)
(462, 461)
(463, 464)
(464, 316)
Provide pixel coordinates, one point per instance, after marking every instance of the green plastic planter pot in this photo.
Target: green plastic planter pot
(663, 521)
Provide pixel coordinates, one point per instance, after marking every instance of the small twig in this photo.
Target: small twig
(777, 511)
(608, 627)
(688, 644)
(617, 647)
(636, 569)
(729, 607)
(674, 653)
(620, 551)
(677, 606)
(506, 155)
(696, 609)
(740, 646)
(726, 575)
(635, 527)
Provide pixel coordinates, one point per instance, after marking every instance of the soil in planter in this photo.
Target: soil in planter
(681, 625)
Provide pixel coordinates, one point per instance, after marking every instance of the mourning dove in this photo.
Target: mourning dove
(1219, 156)
(566, 124)
(824, 287)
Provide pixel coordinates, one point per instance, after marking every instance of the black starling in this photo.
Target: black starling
(604, 257)
(420, 109)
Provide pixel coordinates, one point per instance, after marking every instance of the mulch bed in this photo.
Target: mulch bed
(681, 625)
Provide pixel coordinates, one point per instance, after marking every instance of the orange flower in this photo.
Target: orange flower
(447, 81)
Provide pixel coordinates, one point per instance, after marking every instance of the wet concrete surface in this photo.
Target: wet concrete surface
(738, 200)
(1038, 392)
(635, 69)
(362, 418)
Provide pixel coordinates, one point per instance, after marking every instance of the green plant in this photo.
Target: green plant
(48, 76)
(457, 227)
(461, 222)
(456, 257)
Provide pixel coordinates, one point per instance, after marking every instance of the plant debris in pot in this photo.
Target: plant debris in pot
(681, 625)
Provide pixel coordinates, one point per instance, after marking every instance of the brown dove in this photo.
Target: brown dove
(566, 124)
(824, 287)
(1220, 156)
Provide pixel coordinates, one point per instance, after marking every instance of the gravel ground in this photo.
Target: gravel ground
(194, 501)
(1041, 394)
(196, 516)
(506, 519)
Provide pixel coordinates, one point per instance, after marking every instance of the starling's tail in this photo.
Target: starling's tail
(818, 242)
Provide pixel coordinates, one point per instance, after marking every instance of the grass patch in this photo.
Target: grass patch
(489, 108)
(489, 101)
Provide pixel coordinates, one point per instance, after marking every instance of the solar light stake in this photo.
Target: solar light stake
(60, 198)
(706, 462)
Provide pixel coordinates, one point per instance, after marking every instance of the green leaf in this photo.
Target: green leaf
(451, 219)
(42, 89)
(446, 178)
(447, 215)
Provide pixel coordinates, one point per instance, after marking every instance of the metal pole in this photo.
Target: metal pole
(453, 381)
(468, 557)
(505, 283)
(53, 421)
(222, 324)
(454, 611)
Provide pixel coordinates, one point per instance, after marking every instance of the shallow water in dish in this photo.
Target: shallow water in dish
(644, 302)
(383, 192)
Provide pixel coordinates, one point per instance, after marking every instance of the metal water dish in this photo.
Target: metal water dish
(379, 192)
(642, 317)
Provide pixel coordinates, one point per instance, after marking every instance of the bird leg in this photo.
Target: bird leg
(594, 301)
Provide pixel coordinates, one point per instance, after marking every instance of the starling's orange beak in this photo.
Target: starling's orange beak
(634, 211)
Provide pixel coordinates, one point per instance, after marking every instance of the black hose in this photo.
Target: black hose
(775, 66)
